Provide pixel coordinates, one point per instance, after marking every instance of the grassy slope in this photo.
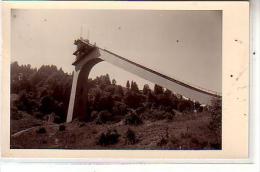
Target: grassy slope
(185, 131)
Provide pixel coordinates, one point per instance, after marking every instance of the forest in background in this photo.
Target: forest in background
(40, 91)
(47, 89)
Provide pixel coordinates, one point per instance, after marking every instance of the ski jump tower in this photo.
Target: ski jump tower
(88, 55)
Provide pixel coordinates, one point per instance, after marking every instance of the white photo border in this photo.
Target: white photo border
(253, 109)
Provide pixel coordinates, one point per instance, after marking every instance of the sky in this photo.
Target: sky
(185, 45)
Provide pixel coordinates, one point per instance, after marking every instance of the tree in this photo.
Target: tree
(47, 105)
(132, 84)
(146, 89)
(113, 82)
(151, 97)
(134, 87)
(158, 89)
(119, 90)
(216, 111)
(185, 105)
(107, 79)
(127, 85)
(132, 99)
(103, 101)
(168, 92)
(216, 118)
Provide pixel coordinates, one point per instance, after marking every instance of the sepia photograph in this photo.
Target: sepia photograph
(116, 79)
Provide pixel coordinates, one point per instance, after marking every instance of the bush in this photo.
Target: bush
(93, 114)
(24, 102)
(39, 115)
(174, 140)
(195, 141)
(156, 114)
(62, 128)
(133, 99)
(163, 99)
(184, 105)
(82, 124)
(163, 141)
(185, 135)
(119, 109)
(15, 114)
(140, 110)
(52, 118)
(130, 137)
(105, 102)
(58, 119)
(132, 119)
(110, 89)
(216, 111)
(47, 104)
(103, 117)
(41, 130)
(108, 138)
(169, 115)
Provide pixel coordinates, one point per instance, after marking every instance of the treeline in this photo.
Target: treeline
(46, 91)
(110, 99)
(40, 91)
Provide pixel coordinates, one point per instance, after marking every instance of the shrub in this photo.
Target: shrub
(108, 138)
(158, 89)
(132, 99)
(216, 111)
(58, 119)
(82, 124)
(119, 108)
(156, 114)
(52, 118)
(130, 137)
(132, 119)
(184, 105)
(62, 128)
(41, 130)
(216, 121)
(164, 100)
(93, 114)
(110, 89)
(185, 135)
(169, 115)
(163, 141)
(119, 91)
(103, 117)
(140, 110)
(195, 141)
(39, 115)
(105, 102)
(15, 114)
(47, 104)
(24, 102)
(174, 140)
(116, 97)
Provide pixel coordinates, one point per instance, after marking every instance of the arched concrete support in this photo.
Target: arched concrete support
(79, 92)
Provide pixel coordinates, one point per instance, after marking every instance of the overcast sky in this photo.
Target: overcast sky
(185, 45)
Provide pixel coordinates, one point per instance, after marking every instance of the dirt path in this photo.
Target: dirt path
(31, 128)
